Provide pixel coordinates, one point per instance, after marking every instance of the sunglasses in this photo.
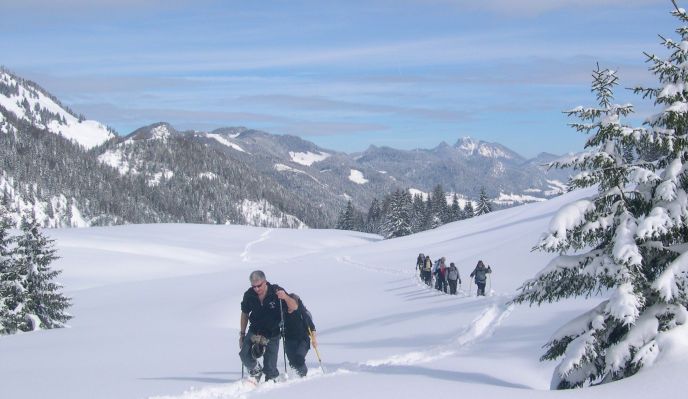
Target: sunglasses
(258, 286)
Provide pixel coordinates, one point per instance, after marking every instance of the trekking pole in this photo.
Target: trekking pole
(284, 349)
(242, 370)
(470, 283)
(317, 352)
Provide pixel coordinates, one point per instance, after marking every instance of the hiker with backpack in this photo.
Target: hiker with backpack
(262, 306)
(427, 271)
(299, 330)
(480, 273)
(419, 264)
(441, 275)
(453, 277)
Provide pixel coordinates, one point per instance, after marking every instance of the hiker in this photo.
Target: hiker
(480, 272)
(261, 306)
(427, 271)
(419, 264)
(298, 331)
(441, 275)
(453, 277)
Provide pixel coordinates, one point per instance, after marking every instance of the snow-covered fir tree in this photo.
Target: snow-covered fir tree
(397, 222)
(44, 306)
(8, 284)
(455, 210)
(468, 211)
(629, 240)
(346, 220)
(484, 205)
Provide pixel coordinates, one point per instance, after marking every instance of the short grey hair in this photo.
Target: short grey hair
(256, 275)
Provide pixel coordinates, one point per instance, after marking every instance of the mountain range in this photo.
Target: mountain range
(71, 171)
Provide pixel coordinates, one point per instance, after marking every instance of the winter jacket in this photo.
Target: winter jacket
(297, 323)
(480, 273)
(453, 274)
(420, 262)
(264, 318)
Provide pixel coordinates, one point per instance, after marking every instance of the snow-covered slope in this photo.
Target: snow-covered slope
(29, 102)
(157, 308)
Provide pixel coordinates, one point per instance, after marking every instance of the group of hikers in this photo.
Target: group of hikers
(273, 313)
(444, 276)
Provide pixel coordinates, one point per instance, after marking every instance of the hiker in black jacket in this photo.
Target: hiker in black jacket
(261, 306)
(297, 340)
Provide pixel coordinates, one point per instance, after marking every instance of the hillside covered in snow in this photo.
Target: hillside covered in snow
(156, 314)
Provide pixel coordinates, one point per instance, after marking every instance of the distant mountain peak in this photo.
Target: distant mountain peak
(30, 102)
(157, 131)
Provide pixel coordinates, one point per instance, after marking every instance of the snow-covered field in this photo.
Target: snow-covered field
(157, 313)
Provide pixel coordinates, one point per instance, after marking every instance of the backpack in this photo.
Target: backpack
(453, 273)
(428, 264)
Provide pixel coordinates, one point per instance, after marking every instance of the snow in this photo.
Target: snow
(157, 177)
(308, 158)
(511, 199)
(18, 206)
(117, 160)
(157, 311)
(264, 214)
(87, 133)
(226, 142)
(470, 147)
(356, 176)
(284, 168)
(207, 175)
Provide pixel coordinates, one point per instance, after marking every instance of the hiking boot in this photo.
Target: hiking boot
(256, 372)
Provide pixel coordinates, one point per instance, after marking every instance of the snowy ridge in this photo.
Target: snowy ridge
(471, 147)
(35, 106)
(280, 167)
(226, 142)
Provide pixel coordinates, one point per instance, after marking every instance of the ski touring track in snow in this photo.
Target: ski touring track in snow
(497, 309)
(245, 257)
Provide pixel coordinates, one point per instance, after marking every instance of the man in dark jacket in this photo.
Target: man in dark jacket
(261, 306)
(297, 340)
(480, 272)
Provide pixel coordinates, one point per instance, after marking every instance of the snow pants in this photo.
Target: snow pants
(269, 357)
(297, 349)
(441, 284)
(481, 287)
(452, 286)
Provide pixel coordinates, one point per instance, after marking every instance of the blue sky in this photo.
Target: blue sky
(343, 74)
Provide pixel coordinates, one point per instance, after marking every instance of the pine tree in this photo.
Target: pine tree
(8, 285)
(468, 211)
(374, 217)
(455, 209)
(44, 307)
(397, 222)
(484, 205)
(629, 239)
(346, 220)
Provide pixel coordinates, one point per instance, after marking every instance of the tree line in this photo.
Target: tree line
(400, 213)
